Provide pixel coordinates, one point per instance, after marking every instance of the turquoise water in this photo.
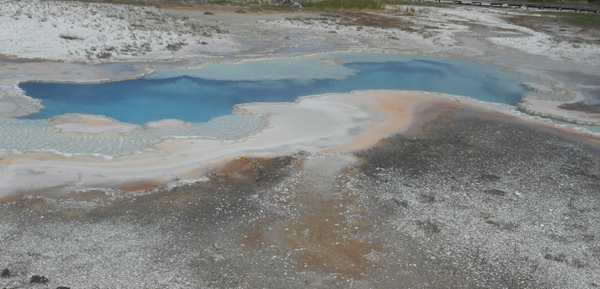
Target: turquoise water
(206, 96)
(198, 99)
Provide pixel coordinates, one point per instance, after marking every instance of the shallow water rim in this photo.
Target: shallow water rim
(242, 108)
(182, 159)
(145, 70)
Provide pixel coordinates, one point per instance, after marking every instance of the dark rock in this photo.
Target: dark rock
(208, 13)
(558, 258)
(34, 254)
(38, 279)
(428, 198)
(581, 106)
(402, 203)
(489, 178)
(292, 3)
(495, 192)
(5, 273)
(63, 287)
(429, 226)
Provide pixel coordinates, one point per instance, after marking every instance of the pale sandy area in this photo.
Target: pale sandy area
(167, 123)
(85, 123)
(549, 108)
(539, 87)
(355, 121)
(6, 107)
(95, 33)
(398, 114)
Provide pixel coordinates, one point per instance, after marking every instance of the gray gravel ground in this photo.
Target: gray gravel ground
(470, 201)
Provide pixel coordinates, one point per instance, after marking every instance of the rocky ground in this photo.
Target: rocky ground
(469, 201)
(94, 33)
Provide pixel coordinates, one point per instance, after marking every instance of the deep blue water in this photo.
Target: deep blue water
(199, 100)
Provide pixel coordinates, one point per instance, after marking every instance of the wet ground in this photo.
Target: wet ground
(470, 200)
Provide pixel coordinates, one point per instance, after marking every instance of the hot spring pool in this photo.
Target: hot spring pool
(205, 96)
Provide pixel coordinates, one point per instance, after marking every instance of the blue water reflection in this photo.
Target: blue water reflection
(200, 100)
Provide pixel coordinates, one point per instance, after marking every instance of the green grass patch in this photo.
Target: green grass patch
(587, 20)
(595, 3)
(421, 3)
(366, 4)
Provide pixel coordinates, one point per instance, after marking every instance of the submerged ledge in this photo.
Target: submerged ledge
(92, 124)
(100, 124)
(167, 124)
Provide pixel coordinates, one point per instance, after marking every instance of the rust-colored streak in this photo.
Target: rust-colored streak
(322, 238)
(12, 198)
(139, 186)
(88, 195)
(232, 166)
(327, 234)
(345, 258)
(253, 238)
